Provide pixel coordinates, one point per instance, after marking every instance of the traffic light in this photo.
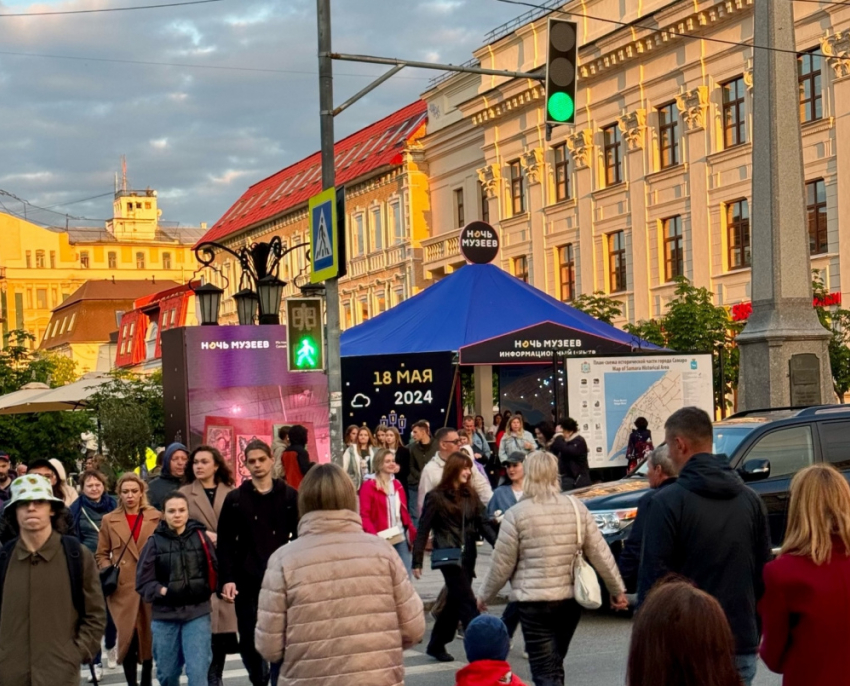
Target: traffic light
(305, 338)
(561, 72)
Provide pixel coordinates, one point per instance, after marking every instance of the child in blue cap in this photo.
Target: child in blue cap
(487, 646)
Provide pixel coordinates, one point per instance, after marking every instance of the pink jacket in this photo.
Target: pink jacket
(374, 508)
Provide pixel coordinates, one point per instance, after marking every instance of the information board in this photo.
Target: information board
(398, 390)
(607, 394)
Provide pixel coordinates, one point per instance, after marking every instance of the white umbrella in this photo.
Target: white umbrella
(28, 391)
(70, 397)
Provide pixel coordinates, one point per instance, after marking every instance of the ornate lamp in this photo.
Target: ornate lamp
(209, 300)
(246, 306)
(270, 289)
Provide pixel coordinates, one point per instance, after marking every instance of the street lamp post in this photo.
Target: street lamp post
(260, 286)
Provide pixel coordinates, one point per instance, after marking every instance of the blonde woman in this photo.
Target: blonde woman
(383, 506)
(804, 609)
(516, 439)
(535, 550)
(336, 582)
(123, 534)
(393, 442)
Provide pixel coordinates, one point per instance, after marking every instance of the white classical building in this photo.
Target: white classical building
(654, 179)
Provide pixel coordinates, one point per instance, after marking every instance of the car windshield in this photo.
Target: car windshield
(726, 441)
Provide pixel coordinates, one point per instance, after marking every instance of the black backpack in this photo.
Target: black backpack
(74, 558)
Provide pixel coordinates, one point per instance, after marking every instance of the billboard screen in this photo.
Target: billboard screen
(225, 385)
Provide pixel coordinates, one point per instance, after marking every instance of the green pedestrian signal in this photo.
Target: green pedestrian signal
(305, 334)
(561, 72)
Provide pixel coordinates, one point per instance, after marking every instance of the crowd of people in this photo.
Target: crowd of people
(313, 582)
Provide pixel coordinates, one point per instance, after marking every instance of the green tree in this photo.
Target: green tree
(39, 434)
(599, 305)
(837, 320)
(130, 417)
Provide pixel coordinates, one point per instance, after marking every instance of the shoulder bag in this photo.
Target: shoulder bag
(109, 575)
(585, 582)
(451, 557)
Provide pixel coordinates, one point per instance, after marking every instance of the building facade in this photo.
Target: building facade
(654, 180)
(41, 267)
(386, 218)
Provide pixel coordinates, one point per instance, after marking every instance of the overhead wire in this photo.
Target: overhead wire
(634, 25)
(100, 10)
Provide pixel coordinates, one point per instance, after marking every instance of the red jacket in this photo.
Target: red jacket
(487, 673)
(374, 510)
(805, 613)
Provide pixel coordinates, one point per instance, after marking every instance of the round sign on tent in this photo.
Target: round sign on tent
(479, 243)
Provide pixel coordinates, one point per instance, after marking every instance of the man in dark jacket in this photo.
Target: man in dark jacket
(172, 476)
(5, 477)
(256, 519)
(661, 473)
(422, 449)
(710, 528)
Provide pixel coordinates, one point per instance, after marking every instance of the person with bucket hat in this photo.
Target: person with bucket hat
(50, 589)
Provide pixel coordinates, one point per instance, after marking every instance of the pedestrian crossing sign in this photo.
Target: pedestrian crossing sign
(324, 239)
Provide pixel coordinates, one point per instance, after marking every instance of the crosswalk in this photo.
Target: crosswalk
(416, 663)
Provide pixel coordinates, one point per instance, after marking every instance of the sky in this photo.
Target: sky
(199, 136)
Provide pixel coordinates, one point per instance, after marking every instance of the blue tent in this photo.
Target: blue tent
(476, 303)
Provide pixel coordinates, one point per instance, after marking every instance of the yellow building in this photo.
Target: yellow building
(40, 267)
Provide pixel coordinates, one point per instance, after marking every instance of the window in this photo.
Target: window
(359, 235)
(397, 228)
(29, 298)
(811, 89)
(19, 310)
(173, 318)
(364, 309)
(734, 117)
(140, 260)
(521, 268)
(833, 440)
(738, 233)
(29, 259)
(346, 315)
(54, 297)
(39, 259)
(41, 298)
(562, 182)
(668, 143)
(789, 450)
(398, 295)
(674, 255)
(377, 229)
(612, 140)
(112, 260)
(616, 261)
(816, 209)
(459, 218)
(517, 189)
(84, 259)
(380, 302)
(566, 258)
(147, 205)
(485, 204)
(166, 261)
(53, 259)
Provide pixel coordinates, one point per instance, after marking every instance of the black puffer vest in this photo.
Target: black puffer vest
(181, 565)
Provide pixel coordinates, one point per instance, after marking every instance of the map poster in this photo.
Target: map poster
(607, 394)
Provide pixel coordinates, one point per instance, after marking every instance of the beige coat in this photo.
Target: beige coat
(125, 605)
(337, 606)
(223, 614)
(535, 551)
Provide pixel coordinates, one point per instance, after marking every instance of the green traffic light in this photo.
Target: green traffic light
(307, 354)
(561, 107)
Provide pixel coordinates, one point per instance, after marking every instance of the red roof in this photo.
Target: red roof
(378, 145)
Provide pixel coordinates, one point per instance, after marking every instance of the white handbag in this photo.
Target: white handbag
(586, 589)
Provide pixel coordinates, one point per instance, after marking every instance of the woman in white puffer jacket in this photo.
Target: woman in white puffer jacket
(537, 545)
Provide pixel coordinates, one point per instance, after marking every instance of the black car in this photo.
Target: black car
(767, 447)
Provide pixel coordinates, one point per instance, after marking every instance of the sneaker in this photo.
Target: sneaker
(441, 656)
(112, 657)
(98, 672)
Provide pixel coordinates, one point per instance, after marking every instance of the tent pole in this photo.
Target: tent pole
(455, 380)
(555, 385)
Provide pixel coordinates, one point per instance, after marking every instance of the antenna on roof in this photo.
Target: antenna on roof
(124, 173)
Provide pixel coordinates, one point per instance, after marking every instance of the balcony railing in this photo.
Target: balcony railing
(397, 254)
(441, 247)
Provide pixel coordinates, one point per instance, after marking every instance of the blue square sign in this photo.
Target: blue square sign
(324, 241)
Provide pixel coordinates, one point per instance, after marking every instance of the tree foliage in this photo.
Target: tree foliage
(837, 320)
(27, 437)
(599, 306)
(130, 417)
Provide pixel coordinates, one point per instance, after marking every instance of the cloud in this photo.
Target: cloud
(200, 136)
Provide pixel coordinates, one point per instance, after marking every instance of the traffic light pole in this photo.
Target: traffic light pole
(326, 122)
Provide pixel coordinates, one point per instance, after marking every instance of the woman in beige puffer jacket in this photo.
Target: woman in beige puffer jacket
(535, 551)
(336, 604)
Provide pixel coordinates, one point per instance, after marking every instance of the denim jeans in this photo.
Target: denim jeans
(179, 643)
(404, 553)
(413, 504)
(548, 628)
(746, 666)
